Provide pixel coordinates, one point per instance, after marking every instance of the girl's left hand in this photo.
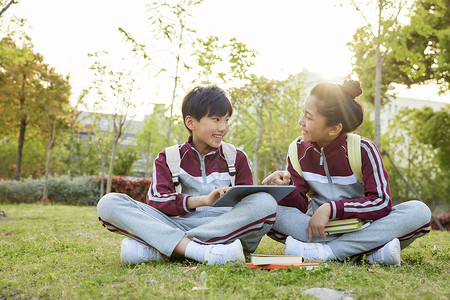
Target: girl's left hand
(278, 178)
(318, 221)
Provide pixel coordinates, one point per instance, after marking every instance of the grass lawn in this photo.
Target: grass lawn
(62, 252)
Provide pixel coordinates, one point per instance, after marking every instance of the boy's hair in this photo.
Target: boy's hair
(337, 103)
(206, 101)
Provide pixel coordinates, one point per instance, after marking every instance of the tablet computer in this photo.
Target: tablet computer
(236, 193)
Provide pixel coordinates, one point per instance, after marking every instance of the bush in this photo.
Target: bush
(74, 191)
(66, 190)
(444, 219)
(136, 188)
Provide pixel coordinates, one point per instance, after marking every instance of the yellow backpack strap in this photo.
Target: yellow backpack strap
(293, 156)
(354, 155)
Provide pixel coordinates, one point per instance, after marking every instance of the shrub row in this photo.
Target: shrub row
(444, 219)
(136, 188)
(74, 191)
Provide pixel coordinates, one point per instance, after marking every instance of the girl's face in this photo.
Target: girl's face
(313, 124)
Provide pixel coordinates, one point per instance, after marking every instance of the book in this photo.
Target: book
(264, 259)
(342, 222)
(344, 226)
(305, 266)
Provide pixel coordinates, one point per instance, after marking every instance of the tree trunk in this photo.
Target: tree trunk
(51, 145)
(102, 175)
(378, 70)
(259, 109)
(47, 169)
(23, 125)
(174, 91)
(111, 165)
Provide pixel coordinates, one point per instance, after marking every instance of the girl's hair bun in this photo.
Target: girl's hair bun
(352, 87)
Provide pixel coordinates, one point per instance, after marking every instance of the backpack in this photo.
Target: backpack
(354, 155)
(173, 160)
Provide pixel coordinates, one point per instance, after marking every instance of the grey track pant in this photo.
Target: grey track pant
(248, 221)
(406, 221)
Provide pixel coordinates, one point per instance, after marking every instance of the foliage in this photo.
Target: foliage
(170, 24)
(433, 128)
(443, 219)
(265, 121)
(150, 139)
(33, 157)
(223, 63)
(408, 141)
(68, 254)
(136, 188)
(421, 50)
(378, 35)
(114, 87)
(414, 53)
(124, 161)
(65, 190)
(30, 92)
(82, 190)
(78, 155)
(367, 127)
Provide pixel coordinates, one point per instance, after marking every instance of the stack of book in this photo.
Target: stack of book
(269, 262)
(347, 225)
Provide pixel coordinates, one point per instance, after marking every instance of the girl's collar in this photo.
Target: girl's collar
(334, 145)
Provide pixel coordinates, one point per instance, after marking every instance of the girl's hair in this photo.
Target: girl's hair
(337, 103)
(206, 101)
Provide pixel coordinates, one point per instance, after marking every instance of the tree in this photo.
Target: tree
(169, 23)
(265, 120)
(21, 80)
(418, 145)
(55, 95)
(150, 138)
(114, 87)
(225, 62)
(125, 160)
(6, 6)
(421, 50)
(372, 44)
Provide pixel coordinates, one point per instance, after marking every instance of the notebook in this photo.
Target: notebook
(236, 193)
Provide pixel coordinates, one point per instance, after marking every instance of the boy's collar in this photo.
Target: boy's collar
(191, 145)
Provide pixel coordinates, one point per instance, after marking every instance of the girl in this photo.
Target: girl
(329, 113)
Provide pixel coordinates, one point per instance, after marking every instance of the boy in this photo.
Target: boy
(186, 223)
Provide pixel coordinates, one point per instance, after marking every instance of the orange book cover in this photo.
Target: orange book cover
(307, 266)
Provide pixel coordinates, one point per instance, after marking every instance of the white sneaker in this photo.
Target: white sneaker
(388, 255)
(311, 252)
(133, 252)
(221, 254)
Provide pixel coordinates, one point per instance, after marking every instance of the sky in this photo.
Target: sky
(288, 35)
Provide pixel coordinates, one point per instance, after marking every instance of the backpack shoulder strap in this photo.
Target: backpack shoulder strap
(293, 156)
(354, 154)
(229, 151)
(173, 160)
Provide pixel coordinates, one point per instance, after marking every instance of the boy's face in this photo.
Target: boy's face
(208, 132)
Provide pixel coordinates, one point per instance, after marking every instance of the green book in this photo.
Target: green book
(344, 226)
